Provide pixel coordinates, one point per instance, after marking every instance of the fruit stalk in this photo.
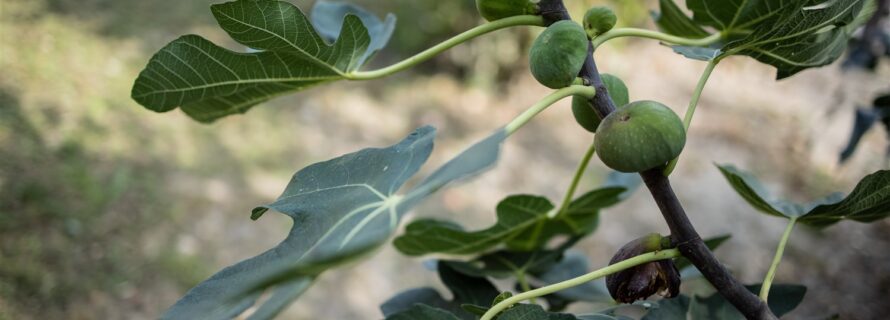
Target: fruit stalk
(682, 232)
(780, 250)
(593, 275)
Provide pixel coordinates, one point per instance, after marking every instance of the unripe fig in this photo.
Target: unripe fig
(639, 136)
(558, 54)
(493, 10)
(598, 20)
(583, 110)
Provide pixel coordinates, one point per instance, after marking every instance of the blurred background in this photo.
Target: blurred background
(111, 211)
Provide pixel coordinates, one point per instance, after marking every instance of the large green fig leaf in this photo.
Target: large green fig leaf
(328, 17)
(809, 34)
(523, 224)
(737, 16)
(673, 20)
(869, 201)
(791, 35)
(209, 82)
(342, 209)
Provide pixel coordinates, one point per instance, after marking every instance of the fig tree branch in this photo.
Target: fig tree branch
(682, 232)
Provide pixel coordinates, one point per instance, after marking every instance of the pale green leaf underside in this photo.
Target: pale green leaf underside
(209, 82)
(342, 209)
(869, 201)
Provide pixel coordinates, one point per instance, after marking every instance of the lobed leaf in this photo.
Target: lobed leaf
(737, 16)
(342, 209)
(523, 224)
(869, 201)
(209, 82)
(671, 19)
(790, 35)
(802, 34)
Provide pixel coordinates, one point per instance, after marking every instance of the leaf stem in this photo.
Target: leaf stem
(651, 34)
(693, 103)
(523, 20)
(523, 283)
(531, 112)
(570, 193)
(629, 263)
(780, 250)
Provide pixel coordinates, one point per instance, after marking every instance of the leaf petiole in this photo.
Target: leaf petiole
(525, 117)
(780, 250)
(629, 263)
(693, 103)
(650, 34)
(524, 20)
(582, 167)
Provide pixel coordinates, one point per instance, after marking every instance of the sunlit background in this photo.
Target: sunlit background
(111, 211)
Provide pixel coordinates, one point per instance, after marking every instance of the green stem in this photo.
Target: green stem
(523, 283)
(645, 33)
(525, 117)
(524, 20)
(693, 103)
(696, 95)
(629, 263)
(574, 186)
(780, 250)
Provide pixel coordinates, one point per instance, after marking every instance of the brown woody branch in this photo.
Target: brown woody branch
(682, 232)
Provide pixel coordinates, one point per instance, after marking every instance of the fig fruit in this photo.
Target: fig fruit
(639, 136)
(583, 110)
(598, 20)
(558, 54)
(642, 281)
(493, 10)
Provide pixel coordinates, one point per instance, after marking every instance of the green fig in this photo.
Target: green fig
(558, 54)
(639, 136)
(583, 110)
(493, 10)
(598, 20)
